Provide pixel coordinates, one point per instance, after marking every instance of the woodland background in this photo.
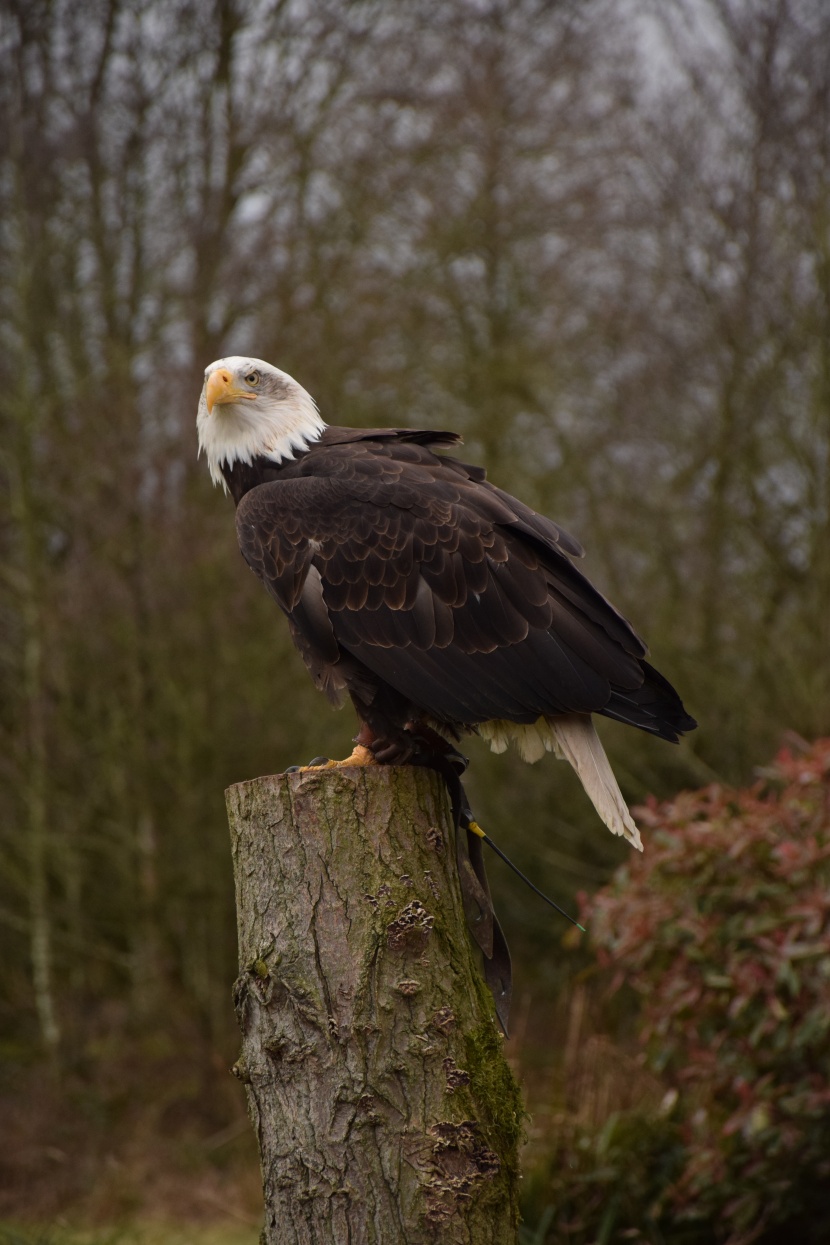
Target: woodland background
(594, 237)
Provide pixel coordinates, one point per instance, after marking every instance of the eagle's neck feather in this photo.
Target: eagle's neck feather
(273, 430)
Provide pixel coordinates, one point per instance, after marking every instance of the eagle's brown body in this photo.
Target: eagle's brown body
(412, 583)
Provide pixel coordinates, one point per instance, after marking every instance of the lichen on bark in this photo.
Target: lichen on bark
(384, 1108)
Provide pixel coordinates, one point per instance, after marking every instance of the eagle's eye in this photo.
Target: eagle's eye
(252, 378)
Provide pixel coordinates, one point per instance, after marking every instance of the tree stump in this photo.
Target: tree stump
(377, 1086)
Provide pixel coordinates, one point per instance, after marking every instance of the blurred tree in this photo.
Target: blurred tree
(726, 291)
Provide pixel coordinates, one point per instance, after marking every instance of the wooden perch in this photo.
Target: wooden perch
(377, 1086)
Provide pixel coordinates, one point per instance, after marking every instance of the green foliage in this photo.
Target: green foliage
(596, 1188)
(722, 929)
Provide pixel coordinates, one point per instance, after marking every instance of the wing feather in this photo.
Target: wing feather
(461, 598)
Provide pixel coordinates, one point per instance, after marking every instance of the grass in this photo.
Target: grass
(146, 1233)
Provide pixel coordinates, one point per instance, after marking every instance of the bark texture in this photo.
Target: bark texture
(383, 1106)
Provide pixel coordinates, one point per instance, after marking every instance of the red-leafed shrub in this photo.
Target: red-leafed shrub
(722, 929)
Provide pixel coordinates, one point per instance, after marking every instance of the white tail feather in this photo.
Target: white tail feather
(576, 740)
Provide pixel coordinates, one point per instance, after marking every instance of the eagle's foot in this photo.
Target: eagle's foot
(360, 756)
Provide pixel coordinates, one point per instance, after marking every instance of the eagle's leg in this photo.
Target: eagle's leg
(360, 755)
(390, 734)
(417, 744)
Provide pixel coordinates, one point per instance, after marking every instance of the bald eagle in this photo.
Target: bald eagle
(437, 602)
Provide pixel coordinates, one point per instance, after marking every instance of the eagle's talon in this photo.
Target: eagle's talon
(317, 763)
(360, 756)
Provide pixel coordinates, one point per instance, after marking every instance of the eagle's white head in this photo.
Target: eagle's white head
(249, 409)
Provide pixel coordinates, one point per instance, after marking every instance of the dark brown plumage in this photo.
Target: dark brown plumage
(457, 595)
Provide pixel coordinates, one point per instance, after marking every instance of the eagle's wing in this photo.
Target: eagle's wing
(451, 591)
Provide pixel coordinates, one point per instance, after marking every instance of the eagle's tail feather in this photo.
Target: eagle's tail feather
(576, 741)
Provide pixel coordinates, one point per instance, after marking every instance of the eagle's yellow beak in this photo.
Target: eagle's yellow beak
(220, 388)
